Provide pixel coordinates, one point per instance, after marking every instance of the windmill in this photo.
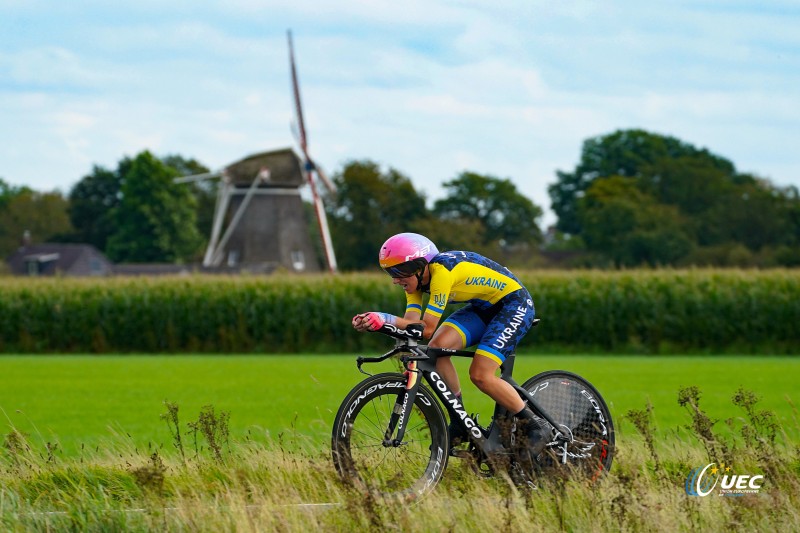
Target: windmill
(259, 217)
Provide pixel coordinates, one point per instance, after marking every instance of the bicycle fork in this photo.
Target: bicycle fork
(402, 408)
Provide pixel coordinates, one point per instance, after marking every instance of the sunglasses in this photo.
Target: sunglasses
(402, 271)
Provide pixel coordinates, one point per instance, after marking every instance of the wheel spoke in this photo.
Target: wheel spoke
(361, 454)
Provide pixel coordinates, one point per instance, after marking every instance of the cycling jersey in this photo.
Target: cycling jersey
(499, 312)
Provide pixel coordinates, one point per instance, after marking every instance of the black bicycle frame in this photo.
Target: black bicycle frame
(422, 360)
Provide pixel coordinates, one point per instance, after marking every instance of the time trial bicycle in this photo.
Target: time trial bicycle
(390, 433)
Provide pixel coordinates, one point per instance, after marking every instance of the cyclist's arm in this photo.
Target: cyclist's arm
(441, 283)
(413, 317)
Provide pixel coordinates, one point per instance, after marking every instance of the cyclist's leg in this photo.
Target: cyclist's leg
(503, 332)
(461, 329)
(483, 373)
(499, 341)
(446, 337)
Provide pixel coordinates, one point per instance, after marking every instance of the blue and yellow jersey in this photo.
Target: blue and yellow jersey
(464, 277)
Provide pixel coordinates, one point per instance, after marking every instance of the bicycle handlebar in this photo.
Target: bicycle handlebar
(412, 332)
(361, 360)
(407, 338)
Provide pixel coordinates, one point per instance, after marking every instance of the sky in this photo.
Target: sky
(430, 88)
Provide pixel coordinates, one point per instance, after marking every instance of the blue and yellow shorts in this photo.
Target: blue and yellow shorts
(496, 329)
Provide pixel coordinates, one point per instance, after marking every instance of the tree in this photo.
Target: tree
(156, 218)
(370, 206)
(457, 234)
(756, 214)
(628, 153)
(204, 191)
(700, 199)
(630, 227)
(791, 198)
(41, 215)
(92, 202)
(8, 192)
(507, 216)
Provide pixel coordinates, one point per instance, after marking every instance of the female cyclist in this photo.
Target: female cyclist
(498, 313)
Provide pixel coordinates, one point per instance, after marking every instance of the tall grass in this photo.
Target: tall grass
(291, 486)
(713, 310)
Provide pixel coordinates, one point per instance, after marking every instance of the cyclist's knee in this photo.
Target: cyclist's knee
(446, 338)
(481, 378)
(482, 373)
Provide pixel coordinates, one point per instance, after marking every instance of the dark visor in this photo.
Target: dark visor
(403, 270)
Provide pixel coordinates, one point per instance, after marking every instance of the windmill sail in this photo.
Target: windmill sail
(260, 218)
(310, 168)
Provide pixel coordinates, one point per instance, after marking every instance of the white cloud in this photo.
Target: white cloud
(510, 88)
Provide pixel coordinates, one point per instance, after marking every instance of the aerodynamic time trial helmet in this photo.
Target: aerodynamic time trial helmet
(406, 254)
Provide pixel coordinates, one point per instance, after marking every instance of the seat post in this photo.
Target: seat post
(507, 368)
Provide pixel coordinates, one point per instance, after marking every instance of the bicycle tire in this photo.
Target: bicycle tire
(582, 414)
(409, 470)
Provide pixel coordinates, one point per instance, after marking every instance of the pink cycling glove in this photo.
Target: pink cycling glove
(372, 321)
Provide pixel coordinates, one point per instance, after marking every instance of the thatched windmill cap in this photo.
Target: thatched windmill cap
(283, 169)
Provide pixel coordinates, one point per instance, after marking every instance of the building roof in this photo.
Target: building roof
(66, 258)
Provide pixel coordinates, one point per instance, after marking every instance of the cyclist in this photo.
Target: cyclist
(498, 314)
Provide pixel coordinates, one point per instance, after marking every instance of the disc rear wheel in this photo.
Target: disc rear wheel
(584, 420)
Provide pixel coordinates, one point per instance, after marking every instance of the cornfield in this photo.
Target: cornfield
(641, 311)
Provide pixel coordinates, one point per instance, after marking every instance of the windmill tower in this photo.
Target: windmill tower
(259, 217)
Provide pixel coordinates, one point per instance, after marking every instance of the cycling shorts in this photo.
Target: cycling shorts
(496, 329)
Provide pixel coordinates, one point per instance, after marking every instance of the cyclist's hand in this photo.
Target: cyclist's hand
(358, 322)
(371, 321)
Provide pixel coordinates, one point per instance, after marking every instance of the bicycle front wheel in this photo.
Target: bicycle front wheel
(583, 419)
(363, 457)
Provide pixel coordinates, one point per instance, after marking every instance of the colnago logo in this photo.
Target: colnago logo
(513, 325)
(703, 480)
(457, 406)
(401, 422)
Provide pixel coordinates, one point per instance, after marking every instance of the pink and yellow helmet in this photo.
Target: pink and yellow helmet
(406, 254)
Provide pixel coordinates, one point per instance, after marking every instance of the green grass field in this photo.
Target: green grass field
(277, 474)
(96, 401)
